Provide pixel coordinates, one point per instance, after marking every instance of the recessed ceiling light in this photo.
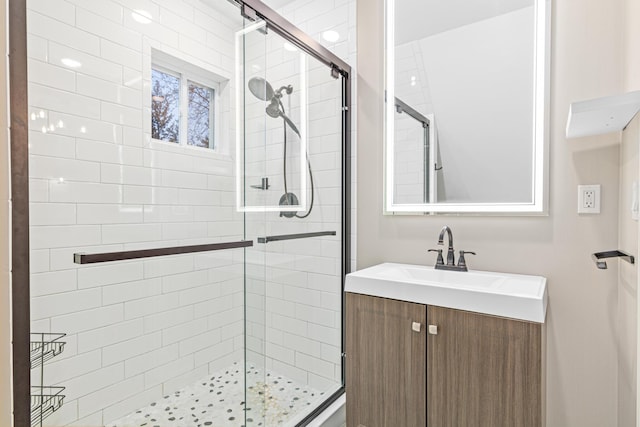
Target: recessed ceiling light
(71, 63)
(331, 36)
(288, 46)
(141, 16)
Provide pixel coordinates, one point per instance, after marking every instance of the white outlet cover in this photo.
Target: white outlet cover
(583, 206)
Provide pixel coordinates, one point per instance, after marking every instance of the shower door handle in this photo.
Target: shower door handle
(84, 258)
(281, 237)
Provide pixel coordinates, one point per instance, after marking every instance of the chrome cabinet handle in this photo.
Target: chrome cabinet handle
(433, 329)
(415, 327)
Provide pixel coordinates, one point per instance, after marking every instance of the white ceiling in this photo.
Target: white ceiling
(417, 19)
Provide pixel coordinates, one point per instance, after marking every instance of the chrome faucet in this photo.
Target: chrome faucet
(450, 253)
(451, 262)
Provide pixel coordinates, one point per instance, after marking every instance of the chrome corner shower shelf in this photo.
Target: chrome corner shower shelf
(44, 347)
(45, 400)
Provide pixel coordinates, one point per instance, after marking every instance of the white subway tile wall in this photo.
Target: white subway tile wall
(138, 330)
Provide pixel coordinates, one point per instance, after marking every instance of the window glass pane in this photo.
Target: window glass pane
(165, 106)
(199, 123)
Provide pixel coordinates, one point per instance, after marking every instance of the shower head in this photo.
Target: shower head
(261, 89)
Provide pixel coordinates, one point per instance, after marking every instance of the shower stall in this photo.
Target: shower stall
(189, 231)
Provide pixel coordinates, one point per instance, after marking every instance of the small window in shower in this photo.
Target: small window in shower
(199, 121)
(182, 106)
(165, 106)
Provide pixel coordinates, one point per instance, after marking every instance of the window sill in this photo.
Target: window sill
(173, 147)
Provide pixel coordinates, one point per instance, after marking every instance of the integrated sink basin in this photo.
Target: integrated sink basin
(515, 296)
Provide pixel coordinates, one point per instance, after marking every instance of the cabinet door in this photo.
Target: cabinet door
(484, 371)
(385, 362)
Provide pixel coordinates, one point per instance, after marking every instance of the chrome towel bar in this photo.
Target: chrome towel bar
(84, 258)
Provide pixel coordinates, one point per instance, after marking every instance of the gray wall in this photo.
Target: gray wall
(484, 134)
(582, 355)
(5, 319)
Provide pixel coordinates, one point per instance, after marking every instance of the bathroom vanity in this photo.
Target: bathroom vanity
(444, 349)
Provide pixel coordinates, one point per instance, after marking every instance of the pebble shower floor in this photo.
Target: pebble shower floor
(218, 400)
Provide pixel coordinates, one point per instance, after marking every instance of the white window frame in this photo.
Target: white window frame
(189, 73)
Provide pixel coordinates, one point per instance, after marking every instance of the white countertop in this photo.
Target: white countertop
(515, 296)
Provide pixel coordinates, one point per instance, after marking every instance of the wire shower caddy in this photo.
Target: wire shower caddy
(45, 400)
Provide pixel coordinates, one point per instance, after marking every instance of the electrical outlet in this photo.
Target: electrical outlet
(589, 199)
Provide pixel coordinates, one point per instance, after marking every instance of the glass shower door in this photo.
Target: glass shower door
(290, 179)
(131, 163)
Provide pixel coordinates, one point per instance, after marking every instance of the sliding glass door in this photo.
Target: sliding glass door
(291, 154)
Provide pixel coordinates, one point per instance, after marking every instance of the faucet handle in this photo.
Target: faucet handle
(440, 260)
(461, 261)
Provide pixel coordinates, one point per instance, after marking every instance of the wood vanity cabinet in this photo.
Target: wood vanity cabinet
(475, 370)
(386, 377)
